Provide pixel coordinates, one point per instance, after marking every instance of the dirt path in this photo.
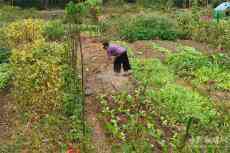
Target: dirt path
(99, 80)
(4, 116)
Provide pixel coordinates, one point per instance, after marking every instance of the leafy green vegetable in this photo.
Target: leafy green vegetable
(5, 75)
(183, 104)
(186, 61)
(213, 76)
(151, 72)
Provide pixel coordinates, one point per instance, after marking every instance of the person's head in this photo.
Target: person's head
(105, 44)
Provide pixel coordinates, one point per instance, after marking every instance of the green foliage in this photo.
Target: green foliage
(137, 146)
(9, 14)
(186, 61)
(149, 27)
(22, 32)
(71, 8)
(213, 76)
(157, 4)
(183, 104)
(186, 22)
(222, 60)
(5, 69)
(205, 30)
(4, 55)
(213, 33)
(5, 75)
(54, 30)
(160, 49)
(71, 97)
(37, 81)
(151, 72)
(76, 12)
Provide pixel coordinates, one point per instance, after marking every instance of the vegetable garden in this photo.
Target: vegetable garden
(58, 93)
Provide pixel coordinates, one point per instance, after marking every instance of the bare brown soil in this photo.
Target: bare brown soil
(4, 115)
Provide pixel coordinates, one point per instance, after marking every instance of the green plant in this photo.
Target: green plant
(54, 30)
(151, 72)
(22, 32)
(161, 49)
(5, 75)
(4, 55)
(37, 82)
(149, 27)
(134, 146)
(183, 104)
(213, 76)
(186, 61)
(10, 14)
(186, 23)
(206, 30)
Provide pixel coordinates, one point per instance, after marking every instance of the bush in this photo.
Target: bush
(186, 23)
(150, 27)
(212, 32)
(37, 78)
(23, 31)
(205, 30)
(54, 30)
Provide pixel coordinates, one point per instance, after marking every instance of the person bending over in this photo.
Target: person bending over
(121, 57)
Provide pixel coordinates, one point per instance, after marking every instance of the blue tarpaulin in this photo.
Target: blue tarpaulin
(222, 7)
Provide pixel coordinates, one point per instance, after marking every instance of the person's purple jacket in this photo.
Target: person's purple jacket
(115, 50)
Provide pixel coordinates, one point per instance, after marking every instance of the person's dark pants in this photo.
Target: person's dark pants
(121, 60)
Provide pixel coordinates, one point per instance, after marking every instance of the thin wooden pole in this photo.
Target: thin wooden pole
(83, 88)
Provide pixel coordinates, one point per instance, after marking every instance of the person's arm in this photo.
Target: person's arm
(109, 53)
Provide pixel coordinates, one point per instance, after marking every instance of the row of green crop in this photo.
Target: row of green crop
(191, 64)
(212, 70)
(140, 119)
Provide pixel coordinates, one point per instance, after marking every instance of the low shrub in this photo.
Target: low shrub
(54, 30)
(23, 31)
(149, 27)
(37, 78)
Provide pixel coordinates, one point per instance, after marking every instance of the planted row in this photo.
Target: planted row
(201, 69)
